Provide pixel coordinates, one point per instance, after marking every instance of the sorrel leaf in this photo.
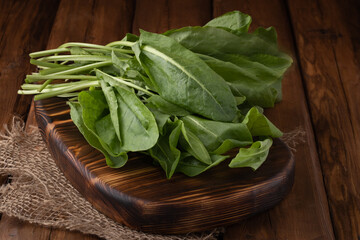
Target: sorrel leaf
(252, 157)
(182, 78)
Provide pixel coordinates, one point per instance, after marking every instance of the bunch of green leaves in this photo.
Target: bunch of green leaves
(185, 97)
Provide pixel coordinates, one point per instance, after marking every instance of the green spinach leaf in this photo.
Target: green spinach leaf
(191, 167)
(166, 106)
(76, 116)
(215, 42)
(160, 117)
(259, 125)
(111, 100)
(218, 137)
(234, 22)
(192, 144)
(182, 78)
(137, 123)
(250, 77)
(252, 157)
(95, 113)
(250, 62)
(165, 150)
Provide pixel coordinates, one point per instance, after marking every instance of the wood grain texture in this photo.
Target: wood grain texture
(15, 229)
(61, 234)
(29, 18)
(326, 32)
(139, 195)
(170, 14)
(149, 18)
(304, 213)
(332, 77)
(91, 21)
(255, 228)
(81, 20)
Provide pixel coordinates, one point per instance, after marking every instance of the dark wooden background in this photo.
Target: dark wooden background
(321, 94)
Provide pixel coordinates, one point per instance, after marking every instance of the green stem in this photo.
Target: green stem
(47, 82)
(76, 70)
(38, 77)
(64, 90)
(127, 82)
(44, 64)
(83, 68)
(55, 70)
(90, 45)
(67, 95)
(120, 43)
(96, 51)
(76, 58)
(26, 86)
(64, 62)
(36, 91)
(48, 52)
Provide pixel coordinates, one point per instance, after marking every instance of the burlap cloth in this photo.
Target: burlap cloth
(39, 193)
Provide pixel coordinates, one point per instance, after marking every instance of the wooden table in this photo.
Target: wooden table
(321, 94)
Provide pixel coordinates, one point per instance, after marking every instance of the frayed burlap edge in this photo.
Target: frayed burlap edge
(39, 193)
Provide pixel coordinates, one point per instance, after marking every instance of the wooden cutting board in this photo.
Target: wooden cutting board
(139, 195)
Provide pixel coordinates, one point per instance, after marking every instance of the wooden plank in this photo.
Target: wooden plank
(25, 27)
(86, 21)
(170, 14)
(328, 41)
(92, 21)
(257, 227)
(15, 229)
(304, 213)
(189, 13)
(58, 234)
(29, 18)
(154, 20)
